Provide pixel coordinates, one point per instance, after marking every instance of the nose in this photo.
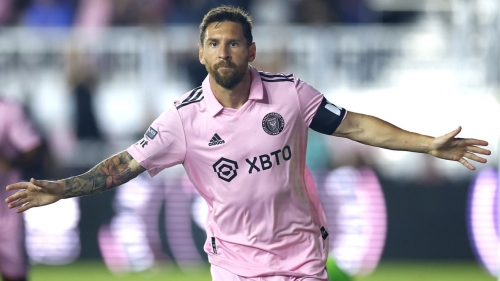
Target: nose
(224, 54)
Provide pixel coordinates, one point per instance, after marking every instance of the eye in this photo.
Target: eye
(234, 44)
(213, 44)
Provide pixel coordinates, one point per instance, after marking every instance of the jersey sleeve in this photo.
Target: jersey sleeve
(309, 100)
(318, 113)
(21, 131)
(163, 145)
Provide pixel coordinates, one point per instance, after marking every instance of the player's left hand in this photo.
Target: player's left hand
(457, 149)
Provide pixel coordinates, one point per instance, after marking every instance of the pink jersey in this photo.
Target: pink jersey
(16, 136)
(265, 217)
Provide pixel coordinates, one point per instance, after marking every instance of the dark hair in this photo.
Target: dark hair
(228, 13)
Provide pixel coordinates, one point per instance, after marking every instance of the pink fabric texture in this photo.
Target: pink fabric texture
(16, 136)
(265, 217)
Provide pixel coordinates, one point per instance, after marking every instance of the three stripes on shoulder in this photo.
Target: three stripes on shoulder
(196, 94)
(275, 77)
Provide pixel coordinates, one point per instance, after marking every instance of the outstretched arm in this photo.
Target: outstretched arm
(376, 132)
(114, 171)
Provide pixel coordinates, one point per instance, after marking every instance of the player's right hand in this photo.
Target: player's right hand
(450, 147)
(34, 194)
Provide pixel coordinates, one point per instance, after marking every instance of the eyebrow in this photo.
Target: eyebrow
(230, 39)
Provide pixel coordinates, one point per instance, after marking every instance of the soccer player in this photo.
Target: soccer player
(241, 137)
(20, 145)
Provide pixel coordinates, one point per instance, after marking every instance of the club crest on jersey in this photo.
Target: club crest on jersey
(273, 123)
(151, 133)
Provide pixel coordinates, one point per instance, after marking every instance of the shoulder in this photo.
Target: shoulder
(10, 106)
(8, 102)
(269, 77)
(191, 97)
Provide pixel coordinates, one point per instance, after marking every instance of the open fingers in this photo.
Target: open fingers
(16, 196)
(18, 203)
(475, 142)
(474, 157)
(479, 150)
(19, 185)
(466, 164)
(19, 199)
(25, 207)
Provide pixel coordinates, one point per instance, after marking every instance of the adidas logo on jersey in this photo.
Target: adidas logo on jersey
(216, 140)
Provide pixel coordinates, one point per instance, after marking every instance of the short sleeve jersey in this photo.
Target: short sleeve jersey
(265, 217)
(17, 135)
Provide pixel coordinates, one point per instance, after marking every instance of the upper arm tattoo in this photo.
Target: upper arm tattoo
(114, 171)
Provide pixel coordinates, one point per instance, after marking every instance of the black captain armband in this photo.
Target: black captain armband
(327, 118)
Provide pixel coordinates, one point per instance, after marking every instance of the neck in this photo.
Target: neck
(233, 98)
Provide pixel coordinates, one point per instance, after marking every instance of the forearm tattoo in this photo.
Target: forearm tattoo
(110, 173)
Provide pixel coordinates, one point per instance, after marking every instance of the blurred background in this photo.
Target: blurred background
(93, 74)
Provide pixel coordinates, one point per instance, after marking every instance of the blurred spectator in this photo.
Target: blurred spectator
(154, 11)
(50, 13)
(83, 80)
(11, 11)
(91, 17)
(19, 148)
(345, 12)
(94, 13)
(5, 11)
(356, 11)
(126, 12)
(186, 11)
(315, 12)
(139, 12)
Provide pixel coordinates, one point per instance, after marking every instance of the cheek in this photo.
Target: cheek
(210, 57)
(244, 56)
(206, 60)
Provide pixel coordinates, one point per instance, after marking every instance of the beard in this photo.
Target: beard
(230, 78)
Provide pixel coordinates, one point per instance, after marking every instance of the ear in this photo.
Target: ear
(200, 54)
(252, 52)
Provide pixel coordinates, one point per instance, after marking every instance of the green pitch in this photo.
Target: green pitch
(387, 271)
(428, 271)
